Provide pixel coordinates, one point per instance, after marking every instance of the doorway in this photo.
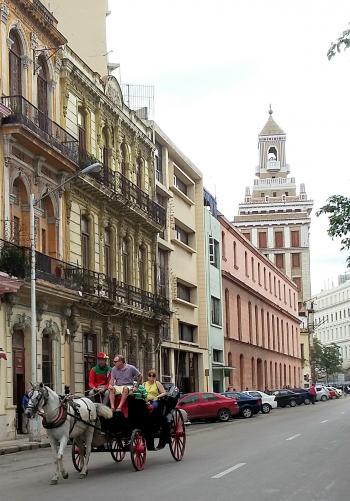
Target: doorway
(18, 355)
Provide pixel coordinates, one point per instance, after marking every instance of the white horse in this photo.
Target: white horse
(62, 422)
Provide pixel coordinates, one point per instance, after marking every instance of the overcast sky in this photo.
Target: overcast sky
(216, 66)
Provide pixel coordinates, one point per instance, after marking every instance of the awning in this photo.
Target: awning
(9, 284)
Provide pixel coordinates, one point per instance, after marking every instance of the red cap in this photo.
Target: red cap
(102, 356)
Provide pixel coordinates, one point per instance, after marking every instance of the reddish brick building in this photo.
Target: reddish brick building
(261, 318)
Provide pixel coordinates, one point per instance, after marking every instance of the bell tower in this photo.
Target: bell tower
(272, 150)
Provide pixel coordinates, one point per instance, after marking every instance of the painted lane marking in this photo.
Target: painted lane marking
(294, 436)
(324, 421)
(229, 470)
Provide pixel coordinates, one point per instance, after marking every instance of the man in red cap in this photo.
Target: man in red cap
(99, 377)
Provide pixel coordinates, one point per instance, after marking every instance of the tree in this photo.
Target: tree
(328, 359)
(343, 42)
(337, 209)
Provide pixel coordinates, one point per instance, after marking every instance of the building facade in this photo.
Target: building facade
(96, 239)
(217, 370)
(274, 217)
(262, 338)
(332, 318)
(181, 266)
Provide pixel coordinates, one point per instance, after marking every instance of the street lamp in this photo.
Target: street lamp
(93, 168)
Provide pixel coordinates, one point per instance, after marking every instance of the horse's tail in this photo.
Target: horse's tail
(104, 411)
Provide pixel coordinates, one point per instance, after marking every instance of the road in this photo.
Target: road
(299, 454)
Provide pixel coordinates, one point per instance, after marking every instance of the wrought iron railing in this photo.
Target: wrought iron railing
(130, 192)
(23, 112)
(15, 260)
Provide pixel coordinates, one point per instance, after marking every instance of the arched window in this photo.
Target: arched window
(246, 264)
(19, 213)
(85, 242)
(227, 312)
(282, 334)
(262, 328)
(82, 130)
(257, 340)
(15, 64)
(272, 153)
(47, 361)
(48, 229)
(125, 260)
(138, 168)
(239, 318)
(273, 333)
(105, 152)
(278, 335)
(42, 89)
(250, 322)
(268, 330)
(142, 268)
(124, 159)
(107, 252)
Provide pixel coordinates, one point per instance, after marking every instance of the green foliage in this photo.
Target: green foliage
(343, 42)
(328, 359)
(337, 209)
(13, 261)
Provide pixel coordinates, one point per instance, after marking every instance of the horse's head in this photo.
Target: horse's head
(38, 397)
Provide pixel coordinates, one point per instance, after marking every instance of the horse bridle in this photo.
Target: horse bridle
(41, 396)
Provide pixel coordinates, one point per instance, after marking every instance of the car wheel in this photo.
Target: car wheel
(324, 398)
(265, 408)
(224, 415)
(247, 412)
(307, 401)
(293, 403)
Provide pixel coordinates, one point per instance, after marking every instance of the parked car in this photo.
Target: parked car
(268, 402)
(248, 406)
(321, 393)
(305, 392)
(334, 392)
(288, 397)
(212, 406)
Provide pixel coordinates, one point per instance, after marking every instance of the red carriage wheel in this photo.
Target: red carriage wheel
(117, 450)
(177, 435)
(138, 450)
(77, 462)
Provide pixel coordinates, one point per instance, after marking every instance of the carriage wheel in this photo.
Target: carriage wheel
(177, 435)
(138, 450)
(77, 463)
(117, 450)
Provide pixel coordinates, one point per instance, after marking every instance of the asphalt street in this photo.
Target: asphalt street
(288, 455)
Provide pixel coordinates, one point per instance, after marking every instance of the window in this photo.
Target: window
(217, 356)
(214, 258)
(105, 151)
(250, 322)
(297, 281)
(125, 260)
(295, 260)
(295, 238)
(302, 354)
(138, 168)
(274, 286)
(47, 362)
(159, 162)
(186, 332)
(279, 261)
(42, 91)
(279, 239)
(183, 292)
(279, 289)
(142, 268)
(180, 185)
(246, 235)
(246, 263)
(268, 330)
(253, 270)
(227, 312)
(270, 283)
(265, 278)
(262, 328)
(191, 399)
(284, 294)
(162, 273)
(235, 255)
(256, 326)
(107, 252)
(262, 238)
(259, 277)
(15, 65)
(209, 397)
(239, 318)
(90, 353)
(215, 311)
(82, 130)
(85, 242)
(181, 235)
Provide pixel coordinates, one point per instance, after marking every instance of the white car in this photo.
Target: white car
(268, 402)
(321, 393)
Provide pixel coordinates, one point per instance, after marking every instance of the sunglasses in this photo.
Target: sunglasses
(151, 375)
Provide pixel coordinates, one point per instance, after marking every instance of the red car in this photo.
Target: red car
(210, 406)
(332, 393)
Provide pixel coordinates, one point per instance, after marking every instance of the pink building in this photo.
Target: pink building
(261, 317)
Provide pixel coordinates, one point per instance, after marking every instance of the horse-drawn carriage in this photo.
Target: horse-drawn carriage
(144, 429)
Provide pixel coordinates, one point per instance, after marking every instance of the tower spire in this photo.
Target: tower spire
(270, 110)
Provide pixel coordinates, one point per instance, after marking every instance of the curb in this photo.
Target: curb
(10, 449)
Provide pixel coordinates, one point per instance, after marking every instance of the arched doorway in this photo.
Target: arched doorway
(259, 369)
(18, 359)
(47, 360)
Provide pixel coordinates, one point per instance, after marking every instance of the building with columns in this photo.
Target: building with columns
(274, 216)
(261, 324)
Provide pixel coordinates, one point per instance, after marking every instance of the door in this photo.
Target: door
(191, 405)
(47, 359)
(18, 355)
(90, 354)
(209, 405)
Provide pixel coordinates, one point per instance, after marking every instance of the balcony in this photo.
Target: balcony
(22, 112)
(126, 193)
(15, 261)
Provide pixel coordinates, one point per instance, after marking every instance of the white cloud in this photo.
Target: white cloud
(216, 66)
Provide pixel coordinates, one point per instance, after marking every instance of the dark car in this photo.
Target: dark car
(288, 397)
(206, 405)
(305, 392)
(248, 406)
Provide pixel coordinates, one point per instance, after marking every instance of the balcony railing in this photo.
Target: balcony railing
(23, 112)
(132, 194)
(15, 260)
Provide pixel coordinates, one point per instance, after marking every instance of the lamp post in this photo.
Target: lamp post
(93, 168)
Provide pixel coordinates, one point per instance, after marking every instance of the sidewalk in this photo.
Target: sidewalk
(22, 444)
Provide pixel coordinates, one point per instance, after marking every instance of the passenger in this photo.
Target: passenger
(122, 381)
(155, 389)
(99, 378)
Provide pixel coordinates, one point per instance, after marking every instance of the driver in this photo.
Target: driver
(99, 378)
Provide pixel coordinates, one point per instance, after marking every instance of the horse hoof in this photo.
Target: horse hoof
(82, 475)
(65, 475)
(53, 481)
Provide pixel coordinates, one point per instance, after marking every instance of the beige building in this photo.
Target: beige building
(181, 266)
(274, 217)
(83, 23)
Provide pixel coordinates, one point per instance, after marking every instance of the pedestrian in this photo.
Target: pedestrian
(312, 393)
(25, 420)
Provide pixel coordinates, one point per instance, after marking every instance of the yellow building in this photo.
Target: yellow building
(95, 240)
